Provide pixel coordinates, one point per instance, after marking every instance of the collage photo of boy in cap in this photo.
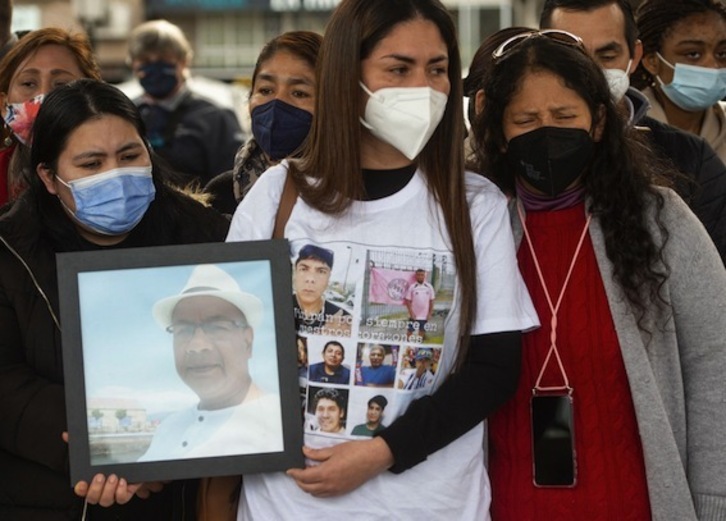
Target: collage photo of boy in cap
(311, 277)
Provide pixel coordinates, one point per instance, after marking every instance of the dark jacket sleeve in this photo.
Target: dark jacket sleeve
(205, 141)
(228, 139)
(709, 198)
(703, 183)
(221, 190)
(179, 218)
(32, 411)
(34, 480)
(487, 379)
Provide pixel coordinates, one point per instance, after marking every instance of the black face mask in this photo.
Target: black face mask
(159, 79)
(550, 158)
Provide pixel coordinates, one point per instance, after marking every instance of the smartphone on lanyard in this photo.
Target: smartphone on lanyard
(553, 440)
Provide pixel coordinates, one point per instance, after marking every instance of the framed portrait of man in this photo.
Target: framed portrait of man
(180, 361)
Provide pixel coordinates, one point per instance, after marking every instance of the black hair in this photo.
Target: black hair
(380, 400)
(329, 393)
(481, 62)
(311, 251)
(67, 108)
(656, 19)
(631, 29)
(334, 343)
(64, 110)
(304, 45)
(618, 182)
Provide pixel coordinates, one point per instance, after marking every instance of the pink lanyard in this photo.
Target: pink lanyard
(553, 309)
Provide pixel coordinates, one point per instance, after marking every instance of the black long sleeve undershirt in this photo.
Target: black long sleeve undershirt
(488, 377)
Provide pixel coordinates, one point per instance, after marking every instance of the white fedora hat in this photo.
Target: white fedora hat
(209, 280)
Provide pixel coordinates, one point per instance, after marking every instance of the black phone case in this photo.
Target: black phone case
(554, 462)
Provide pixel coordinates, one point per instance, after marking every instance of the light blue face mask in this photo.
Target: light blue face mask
(112, 202)
(694, 88)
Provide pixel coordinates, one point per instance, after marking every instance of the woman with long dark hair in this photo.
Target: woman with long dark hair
(381, 190)
(619, 410)
(419, 255)
(88, 147)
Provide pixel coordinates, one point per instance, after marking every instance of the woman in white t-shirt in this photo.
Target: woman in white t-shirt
(381, 187)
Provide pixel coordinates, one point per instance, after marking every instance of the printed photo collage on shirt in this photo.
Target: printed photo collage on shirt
(370, 332)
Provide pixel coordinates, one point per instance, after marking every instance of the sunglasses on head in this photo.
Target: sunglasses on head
(555, 35)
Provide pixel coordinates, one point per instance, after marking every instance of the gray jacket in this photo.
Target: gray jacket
(676, 366)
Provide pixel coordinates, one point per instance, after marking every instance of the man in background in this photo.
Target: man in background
(198, 137)
(610, 34)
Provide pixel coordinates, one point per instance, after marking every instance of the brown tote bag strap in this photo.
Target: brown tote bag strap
(287, 201)
(218, 496)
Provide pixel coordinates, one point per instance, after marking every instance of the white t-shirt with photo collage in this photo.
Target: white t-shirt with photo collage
(388, 240)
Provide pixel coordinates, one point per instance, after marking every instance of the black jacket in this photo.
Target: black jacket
(34, 480)
(703, 186)
(199, 138)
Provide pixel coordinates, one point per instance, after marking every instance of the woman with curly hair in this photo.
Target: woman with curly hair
(683, 70)
(630, 291)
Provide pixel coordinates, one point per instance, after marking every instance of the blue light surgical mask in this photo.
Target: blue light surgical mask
(694, 88)
(112, 202)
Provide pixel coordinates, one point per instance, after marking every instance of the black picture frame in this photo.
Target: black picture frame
(106, 301)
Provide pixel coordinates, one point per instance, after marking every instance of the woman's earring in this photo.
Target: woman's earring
(8, 133)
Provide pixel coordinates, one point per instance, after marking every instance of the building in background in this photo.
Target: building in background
(108, 23)
(227, 35)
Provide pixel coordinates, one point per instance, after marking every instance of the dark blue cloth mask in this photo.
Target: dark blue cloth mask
(159, 79)
(280, 128)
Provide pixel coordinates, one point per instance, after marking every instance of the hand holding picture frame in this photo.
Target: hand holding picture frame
(180, 361)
